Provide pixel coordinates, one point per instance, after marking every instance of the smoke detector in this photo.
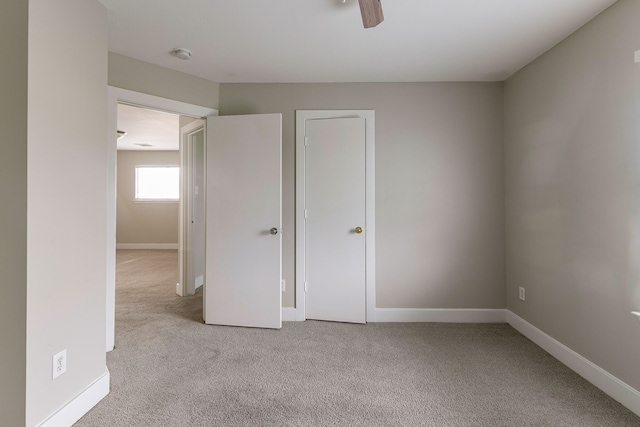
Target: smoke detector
(181, 53)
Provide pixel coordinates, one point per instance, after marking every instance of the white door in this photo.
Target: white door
(243, 221)
(335, 219)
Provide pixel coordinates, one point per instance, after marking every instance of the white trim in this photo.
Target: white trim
(116, 95)
(146, 246)
(139, 99)
(73, 410)
(370, 230)
(300, 314)
(444, 315)
(146, 201)
(112, 150)
(617, 389)
(289, 314)
(185, 229)
(292, 314)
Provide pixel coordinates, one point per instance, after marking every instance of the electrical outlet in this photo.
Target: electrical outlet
(59, 364)
(522, 294)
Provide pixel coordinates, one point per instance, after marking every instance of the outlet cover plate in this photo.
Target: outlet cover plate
(59, 364)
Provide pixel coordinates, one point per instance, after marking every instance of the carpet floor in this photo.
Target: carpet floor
(170, 369)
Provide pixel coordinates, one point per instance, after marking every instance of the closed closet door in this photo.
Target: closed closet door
(335, 220)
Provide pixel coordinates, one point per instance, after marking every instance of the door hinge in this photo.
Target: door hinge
(306, 214)
(283, 286)
(306, 141)
(305, 286)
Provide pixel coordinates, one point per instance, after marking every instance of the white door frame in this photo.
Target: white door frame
(369, 228)
(186, 246)
(117, 95)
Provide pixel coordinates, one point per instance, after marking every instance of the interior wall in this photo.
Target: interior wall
(140, 76)
(66, 217)
(572, 127)
(439, 184)
(13, 210)
(144, 222)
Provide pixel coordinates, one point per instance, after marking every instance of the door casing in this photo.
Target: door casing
(188, 229)
(301, 117)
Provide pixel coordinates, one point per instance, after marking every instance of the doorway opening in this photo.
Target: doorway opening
(146, 103)
(156, 171)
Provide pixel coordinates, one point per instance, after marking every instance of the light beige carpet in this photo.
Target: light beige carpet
(169, 369)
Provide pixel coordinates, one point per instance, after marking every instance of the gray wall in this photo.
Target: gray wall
(572, 134)
(145, 222)
(13, 210)
(439, 184)
(140, 76)
(66, 204)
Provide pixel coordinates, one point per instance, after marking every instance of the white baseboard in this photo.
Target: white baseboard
(146, 246)
(448, 315)
(80, 405)
(289, 314)
(442, 315)
(602, 379)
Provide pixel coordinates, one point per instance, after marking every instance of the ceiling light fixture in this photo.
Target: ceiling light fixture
(181, 53)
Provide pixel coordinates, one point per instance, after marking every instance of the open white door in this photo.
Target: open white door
(243, 221)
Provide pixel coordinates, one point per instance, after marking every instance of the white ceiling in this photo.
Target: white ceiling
(324, 40)
(159, 130)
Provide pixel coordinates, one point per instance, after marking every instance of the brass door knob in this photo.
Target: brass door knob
(358, 230)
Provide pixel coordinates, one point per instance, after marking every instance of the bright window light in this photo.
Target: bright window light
(157, 183)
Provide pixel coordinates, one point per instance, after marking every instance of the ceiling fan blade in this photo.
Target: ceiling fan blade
(371, 11)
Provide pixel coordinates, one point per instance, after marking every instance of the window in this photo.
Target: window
(157, 183)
